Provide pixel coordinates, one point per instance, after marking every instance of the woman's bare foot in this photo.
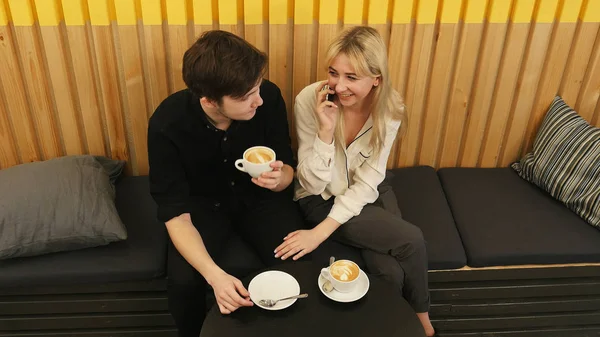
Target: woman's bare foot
(424, 317)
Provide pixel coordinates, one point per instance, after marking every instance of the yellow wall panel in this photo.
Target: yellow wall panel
(3, 15)
(304, 12)
(403, 11)
(151, 12)
(203, 12)
(47, 12)
(253, 12)
(570, 11)
(21, 12)
(278, 12)
(592, 11)
(378, 12)
(500, 11)
(475, 11)
(74, 12)
(228, 12)
(176, 12)
(547, 11)
(523, 11)
(328, 12)
(125, 10)
(427, 11)
(99, 13)
(353, 12)
(451, 11)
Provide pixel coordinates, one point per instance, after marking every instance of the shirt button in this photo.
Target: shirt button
(217, 204)
(225, 160)
(225, 138)
(232, 183)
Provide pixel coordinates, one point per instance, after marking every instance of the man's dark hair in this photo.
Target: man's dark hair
(221, 64)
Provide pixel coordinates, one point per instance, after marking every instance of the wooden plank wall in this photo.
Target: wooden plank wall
(83, 76)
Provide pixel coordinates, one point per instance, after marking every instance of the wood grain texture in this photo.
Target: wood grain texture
(280, 65)
(177, 44)
(304, 66)
(558, 53)
(399, 63)
(484, 86)
(589, 93)
(460, 94)
(134, 98)
(447, 41)
(111, 100)
(579, 58)
(86, 90)
(417, 91)
(525, 93)
(477, 77)
(502, 103)
(16, 101)
(61, 88)
(37, 91)
(155, 66)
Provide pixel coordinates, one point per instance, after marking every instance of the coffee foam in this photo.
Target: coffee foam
(259, 156)
(344, 271)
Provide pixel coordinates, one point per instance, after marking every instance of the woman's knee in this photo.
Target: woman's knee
(413, 241)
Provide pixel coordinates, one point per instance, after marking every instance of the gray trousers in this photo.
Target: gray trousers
(391, 247)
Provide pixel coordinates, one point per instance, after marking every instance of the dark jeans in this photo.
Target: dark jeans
(391, 247)
(263, 226)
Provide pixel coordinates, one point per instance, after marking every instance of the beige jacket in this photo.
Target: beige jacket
(349, 174)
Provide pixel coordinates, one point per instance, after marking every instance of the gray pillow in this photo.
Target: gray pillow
(60, 204)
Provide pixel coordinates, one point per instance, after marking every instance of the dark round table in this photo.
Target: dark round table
(381, 312)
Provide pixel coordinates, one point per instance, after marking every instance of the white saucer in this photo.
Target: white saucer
(273, 284)
(359, 291)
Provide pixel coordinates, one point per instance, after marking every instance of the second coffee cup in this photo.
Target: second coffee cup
(343, 275)
(256, 160)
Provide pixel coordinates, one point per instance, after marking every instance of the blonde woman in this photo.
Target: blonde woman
(344, 145)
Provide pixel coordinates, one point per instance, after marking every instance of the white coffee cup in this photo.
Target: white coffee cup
(256, 160)
(343, 275)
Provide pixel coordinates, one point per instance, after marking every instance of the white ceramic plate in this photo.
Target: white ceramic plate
(359, 291)
(273, 284)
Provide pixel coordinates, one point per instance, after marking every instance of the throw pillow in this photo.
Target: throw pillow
(60, 204)
(565, 161)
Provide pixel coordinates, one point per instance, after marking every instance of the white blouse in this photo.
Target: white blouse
(349, 174)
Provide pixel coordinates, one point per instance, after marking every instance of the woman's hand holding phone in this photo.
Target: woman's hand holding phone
(327, 112)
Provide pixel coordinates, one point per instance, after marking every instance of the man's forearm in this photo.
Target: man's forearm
(188, 242)
(286, 178)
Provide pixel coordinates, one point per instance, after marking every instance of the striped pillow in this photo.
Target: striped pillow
(565, 161)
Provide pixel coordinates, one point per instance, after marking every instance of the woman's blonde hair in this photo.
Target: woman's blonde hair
(367, 53)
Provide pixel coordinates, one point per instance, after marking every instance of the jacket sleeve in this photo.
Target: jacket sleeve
(315, 158)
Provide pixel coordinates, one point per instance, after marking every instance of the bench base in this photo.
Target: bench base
(519, 301)
(556, 300)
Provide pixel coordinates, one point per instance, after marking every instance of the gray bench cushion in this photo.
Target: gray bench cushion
(422, 202)
(142, 256)
(505, 220)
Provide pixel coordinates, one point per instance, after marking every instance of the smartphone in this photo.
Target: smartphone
(329, 97)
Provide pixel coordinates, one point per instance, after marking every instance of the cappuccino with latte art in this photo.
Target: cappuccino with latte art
(343, 275)
(345, 271)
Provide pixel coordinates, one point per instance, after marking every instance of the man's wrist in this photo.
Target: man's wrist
(211, 272)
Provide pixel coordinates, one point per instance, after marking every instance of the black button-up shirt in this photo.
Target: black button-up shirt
(192, 162)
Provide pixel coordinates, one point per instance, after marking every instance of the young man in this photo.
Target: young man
(194, 138)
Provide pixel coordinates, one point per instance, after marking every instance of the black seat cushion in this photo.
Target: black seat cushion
(141, 257)
(505, 220)
(422, 202)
